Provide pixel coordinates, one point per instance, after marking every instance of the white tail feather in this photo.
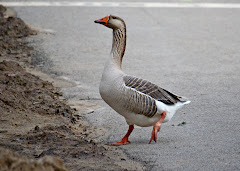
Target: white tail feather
(187, 102)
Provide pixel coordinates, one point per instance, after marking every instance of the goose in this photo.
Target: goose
(139, 101)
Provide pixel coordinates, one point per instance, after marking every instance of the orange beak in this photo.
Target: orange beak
(103, 21)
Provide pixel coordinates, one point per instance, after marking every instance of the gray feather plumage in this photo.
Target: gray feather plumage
(152, 90)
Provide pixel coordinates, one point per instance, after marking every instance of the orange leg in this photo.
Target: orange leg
(156, 127)
(125, 140)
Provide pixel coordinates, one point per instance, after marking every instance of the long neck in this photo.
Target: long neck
(119, 45)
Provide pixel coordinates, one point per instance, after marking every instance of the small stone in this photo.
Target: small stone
(86, 152)
(37, 128)
(181, 124)
(56, 111)
(19, 139)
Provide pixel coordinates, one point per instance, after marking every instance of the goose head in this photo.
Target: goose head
(112, 22)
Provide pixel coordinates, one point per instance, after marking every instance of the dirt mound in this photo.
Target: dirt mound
(11, 161)
(12, 32)
(77, 152)
(23, 92)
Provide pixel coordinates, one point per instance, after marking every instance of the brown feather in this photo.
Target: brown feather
(152, 90)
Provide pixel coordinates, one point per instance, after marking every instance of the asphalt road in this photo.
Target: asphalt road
(192, 52)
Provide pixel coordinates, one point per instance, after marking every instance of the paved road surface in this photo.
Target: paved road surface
(193, 52)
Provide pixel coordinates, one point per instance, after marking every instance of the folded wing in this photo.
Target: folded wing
(152, 90)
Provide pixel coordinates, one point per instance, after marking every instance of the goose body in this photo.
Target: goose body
(139, 101)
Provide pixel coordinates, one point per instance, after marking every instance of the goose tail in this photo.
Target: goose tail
(184, 100)
(187, 102)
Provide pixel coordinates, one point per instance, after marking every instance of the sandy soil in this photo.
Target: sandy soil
(35, 120)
